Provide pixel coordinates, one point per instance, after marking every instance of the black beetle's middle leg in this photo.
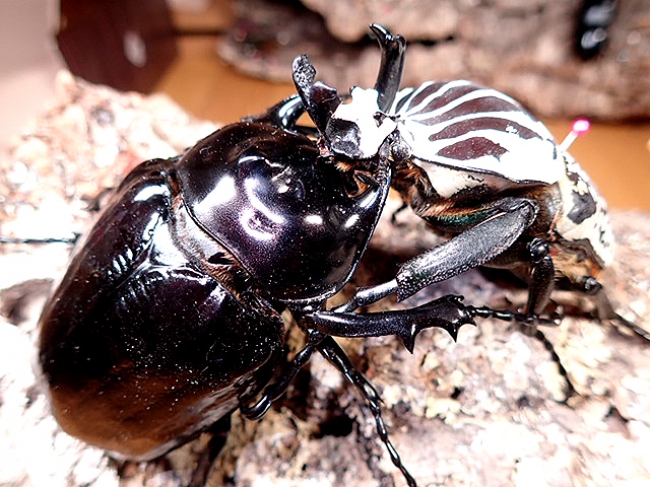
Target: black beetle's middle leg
(276, 389)
(446, 312)
(337, 357)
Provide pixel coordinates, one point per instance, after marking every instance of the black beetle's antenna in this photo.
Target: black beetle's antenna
(393, 49)
(36, 241)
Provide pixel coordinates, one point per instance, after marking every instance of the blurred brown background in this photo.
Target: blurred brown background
(177, 47)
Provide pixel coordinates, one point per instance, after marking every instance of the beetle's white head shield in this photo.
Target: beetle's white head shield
(359, 127)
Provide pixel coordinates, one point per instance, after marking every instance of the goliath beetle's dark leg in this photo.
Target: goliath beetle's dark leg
(487, 233)
(496, 229)
(604, 309)
(337, 357)
(493, 230)
(606, 312)
(542, 276)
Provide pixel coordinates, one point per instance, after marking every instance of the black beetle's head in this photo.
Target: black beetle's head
(354, 129)
(295, 222)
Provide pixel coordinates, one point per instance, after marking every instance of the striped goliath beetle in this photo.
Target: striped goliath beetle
(474, 164)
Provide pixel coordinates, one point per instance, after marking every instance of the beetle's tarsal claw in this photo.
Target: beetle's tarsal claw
(258, 410)
(408, 340)
(447, 313)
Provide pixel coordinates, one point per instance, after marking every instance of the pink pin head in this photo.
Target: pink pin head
(581, 126)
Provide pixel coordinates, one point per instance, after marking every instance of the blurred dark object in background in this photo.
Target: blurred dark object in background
(594, 19)
(526, 48)
(120, 43)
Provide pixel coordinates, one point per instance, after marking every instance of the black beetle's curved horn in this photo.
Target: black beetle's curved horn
(319, 99)
(392, 63)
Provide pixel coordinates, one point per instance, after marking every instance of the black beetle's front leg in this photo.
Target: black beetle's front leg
(447, 312)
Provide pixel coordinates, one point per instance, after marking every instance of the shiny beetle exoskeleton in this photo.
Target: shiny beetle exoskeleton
(169, 316)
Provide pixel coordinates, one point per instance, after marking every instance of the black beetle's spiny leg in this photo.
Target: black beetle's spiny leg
(570, 389)
(526, 319)
(275, 390)
(446, 312)
(336, 356)
(528, 326)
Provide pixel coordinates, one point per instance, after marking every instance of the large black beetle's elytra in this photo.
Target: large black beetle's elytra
(169, 315)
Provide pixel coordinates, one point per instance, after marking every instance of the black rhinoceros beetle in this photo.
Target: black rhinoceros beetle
(169, 316)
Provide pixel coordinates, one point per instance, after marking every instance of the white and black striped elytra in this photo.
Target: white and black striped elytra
(479, 134)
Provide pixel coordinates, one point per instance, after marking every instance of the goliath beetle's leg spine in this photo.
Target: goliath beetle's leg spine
(337, 357)
(471, 248)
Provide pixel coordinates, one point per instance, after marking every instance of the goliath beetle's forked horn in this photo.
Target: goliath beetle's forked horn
(319, 99)
(392, 64)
